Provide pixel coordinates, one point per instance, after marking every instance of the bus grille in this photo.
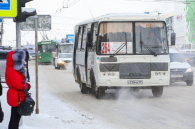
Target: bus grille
(108, 59)
(159, 66)
(109, 67)
(135, 71)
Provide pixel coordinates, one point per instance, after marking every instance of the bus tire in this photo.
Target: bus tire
(93, 83)
(91, 91)
(78, 76)
(100, 92)
(58, 67)
(157, 91)
(189, 83)
(83, 88)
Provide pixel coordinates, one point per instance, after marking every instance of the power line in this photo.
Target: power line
(59, 6)
(57, 11)
(70, 5)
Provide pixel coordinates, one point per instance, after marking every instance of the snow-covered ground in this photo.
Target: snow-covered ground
(63, 106)
(54, 114)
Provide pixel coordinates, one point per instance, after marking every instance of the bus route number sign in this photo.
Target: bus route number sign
(111, 47)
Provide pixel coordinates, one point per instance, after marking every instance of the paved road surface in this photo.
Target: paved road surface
(123, 109)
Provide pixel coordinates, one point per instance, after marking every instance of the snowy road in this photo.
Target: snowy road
(63, 106)
(123, 109)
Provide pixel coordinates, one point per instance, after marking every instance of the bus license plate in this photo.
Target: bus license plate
(177, 75)
(134, 82)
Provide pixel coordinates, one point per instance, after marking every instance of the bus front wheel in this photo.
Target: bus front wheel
(189, 83)
(157, 91)
(83, 88)
(100, 92)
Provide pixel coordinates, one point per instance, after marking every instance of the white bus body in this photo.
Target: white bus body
(95, 66)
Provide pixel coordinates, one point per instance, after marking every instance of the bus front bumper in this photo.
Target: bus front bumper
(103, 82)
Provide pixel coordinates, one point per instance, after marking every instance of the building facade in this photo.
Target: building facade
(183, 23)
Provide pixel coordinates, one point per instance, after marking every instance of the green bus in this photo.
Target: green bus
(45, 50)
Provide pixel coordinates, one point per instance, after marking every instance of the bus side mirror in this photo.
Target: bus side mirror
(173, 37)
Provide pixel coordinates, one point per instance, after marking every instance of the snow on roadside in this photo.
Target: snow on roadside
(54, 114)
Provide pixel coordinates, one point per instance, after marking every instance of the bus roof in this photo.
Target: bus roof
(125, 17)
(44, 42)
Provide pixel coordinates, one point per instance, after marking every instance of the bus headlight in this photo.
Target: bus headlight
(61, 62)
(189, 70)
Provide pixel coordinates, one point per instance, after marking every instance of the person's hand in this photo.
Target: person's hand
(29, 86)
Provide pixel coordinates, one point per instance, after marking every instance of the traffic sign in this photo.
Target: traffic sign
(70, 38)
(0, 18)
(44, 23)
(8, 8)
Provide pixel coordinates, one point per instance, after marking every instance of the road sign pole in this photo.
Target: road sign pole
(18, 46)
(36, 65)
(1, 43)
(18, 36)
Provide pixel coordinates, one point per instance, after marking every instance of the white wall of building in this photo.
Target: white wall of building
(180, 23)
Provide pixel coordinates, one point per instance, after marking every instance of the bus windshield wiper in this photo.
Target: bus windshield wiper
(121, 47)
(146, 46)
(118, 50)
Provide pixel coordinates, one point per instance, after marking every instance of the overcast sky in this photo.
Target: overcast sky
(63, 21)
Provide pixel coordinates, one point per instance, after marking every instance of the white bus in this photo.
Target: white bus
(122, 50)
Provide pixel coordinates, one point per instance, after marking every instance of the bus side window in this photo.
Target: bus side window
(40, 49)
(84, 37)
(76, 40)
(80, 37)
(94, 33)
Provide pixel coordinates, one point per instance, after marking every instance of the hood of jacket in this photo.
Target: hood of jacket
(15, 59)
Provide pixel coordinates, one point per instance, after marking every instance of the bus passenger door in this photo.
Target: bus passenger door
(80, 53)
(91, 52)
(74, 53)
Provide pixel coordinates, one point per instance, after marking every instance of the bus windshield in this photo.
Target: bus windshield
(66, 48)
(115, 35)
(46, 48)
(117, 38)
(151, 38)
(65, 55)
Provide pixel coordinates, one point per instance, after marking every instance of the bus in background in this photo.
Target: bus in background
(122, 51)
(45, 50)
(63, 55)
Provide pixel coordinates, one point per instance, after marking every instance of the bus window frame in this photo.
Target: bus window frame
(84, 34)
(79, 45)
(134, 36)
(76, 39)
(94, 43)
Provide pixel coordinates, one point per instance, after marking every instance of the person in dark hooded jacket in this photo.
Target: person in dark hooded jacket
(27, 59)
(16, 79)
